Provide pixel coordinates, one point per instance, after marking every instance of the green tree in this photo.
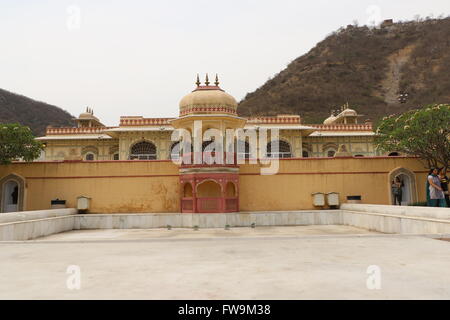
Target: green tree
(17, 142)
(424, 133)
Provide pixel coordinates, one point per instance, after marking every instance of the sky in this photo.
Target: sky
(136, 57)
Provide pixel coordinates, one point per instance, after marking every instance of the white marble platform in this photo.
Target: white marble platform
(385, 219)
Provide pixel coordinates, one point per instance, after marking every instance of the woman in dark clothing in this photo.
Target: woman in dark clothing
(444, 185)
(397, 191)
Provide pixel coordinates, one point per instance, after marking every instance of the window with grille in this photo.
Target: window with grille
(89, 157)
(331, 153)
(143, 151)
(279, 149)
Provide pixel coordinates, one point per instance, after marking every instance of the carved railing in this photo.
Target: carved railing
(342, 127)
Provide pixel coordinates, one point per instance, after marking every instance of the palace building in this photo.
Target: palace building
(139, 138)
(138, 167)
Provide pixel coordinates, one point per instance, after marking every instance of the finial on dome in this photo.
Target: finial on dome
(198, 83)
(207, 80)
(217, 81)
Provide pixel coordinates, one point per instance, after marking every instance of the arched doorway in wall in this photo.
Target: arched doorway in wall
(231, 198)
(209, 196)
(12, 194)
(409, 189)
(187, 200)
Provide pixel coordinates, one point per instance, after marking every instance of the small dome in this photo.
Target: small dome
(88, 115)
(349, 112)
(208, 100)
(330, 120)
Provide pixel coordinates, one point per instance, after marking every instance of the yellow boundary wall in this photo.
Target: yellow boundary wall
(153, 186)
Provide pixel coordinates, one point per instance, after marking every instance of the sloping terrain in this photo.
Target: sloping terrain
(367, 67)
(37, 115)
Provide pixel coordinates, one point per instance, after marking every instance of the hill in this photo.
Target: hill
(367, 67)
(37, 115)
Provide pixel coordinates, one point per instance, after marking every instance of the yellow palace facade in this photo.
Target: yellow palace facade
(139, 138)
(138, 166)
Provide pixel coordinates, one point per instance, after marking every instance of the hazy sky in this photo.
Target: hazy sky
(140, 57)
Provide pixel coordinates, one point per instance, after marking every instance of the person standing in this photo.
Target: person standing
(397, 191)
(444, 185)
(436, 198)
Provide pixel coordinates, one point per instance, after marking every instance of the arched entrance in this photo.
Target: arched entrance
(209, 192)
(209, 196)
(12, 194)
(409, 190)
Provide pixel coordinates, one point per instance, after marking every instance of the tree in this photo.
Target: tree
(424, 133)
(17, 142)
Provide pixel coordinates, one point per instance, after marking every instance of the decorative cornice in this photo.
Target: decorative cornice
(207, 109)
(82, 130)
(274, 120)
(342, 127)
(138, 121)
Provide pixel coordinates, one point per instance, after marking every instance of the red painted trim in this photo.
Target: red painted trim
(101, 177)
(322, 173)
(311, 173)
(186, 176)
(350, 157)
(168, 160)
(90, 162)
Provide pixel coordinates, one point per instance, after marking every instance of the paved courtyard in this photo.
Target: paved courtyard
(313, 262)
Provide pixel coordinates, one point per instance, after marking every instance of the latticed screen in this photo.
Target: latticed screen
(279, 149)
(143, 151)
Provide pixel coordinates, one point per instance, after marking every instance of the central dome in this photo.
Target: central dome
(208, 100)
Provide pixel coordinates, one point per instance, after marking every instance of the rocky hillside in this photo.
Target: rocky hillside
(367, 67)
(37, 115)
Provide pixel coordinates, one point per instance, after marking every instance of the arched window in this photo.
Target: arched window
(305, 154)
(187, 190)
(230, 190)
(116, 156)
(279, 149)
(89, 156)
(209, 189)
(331, 153)
(143, 150)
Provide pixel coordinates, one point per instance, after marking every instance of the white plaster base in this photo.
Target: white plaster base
(386, 219)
